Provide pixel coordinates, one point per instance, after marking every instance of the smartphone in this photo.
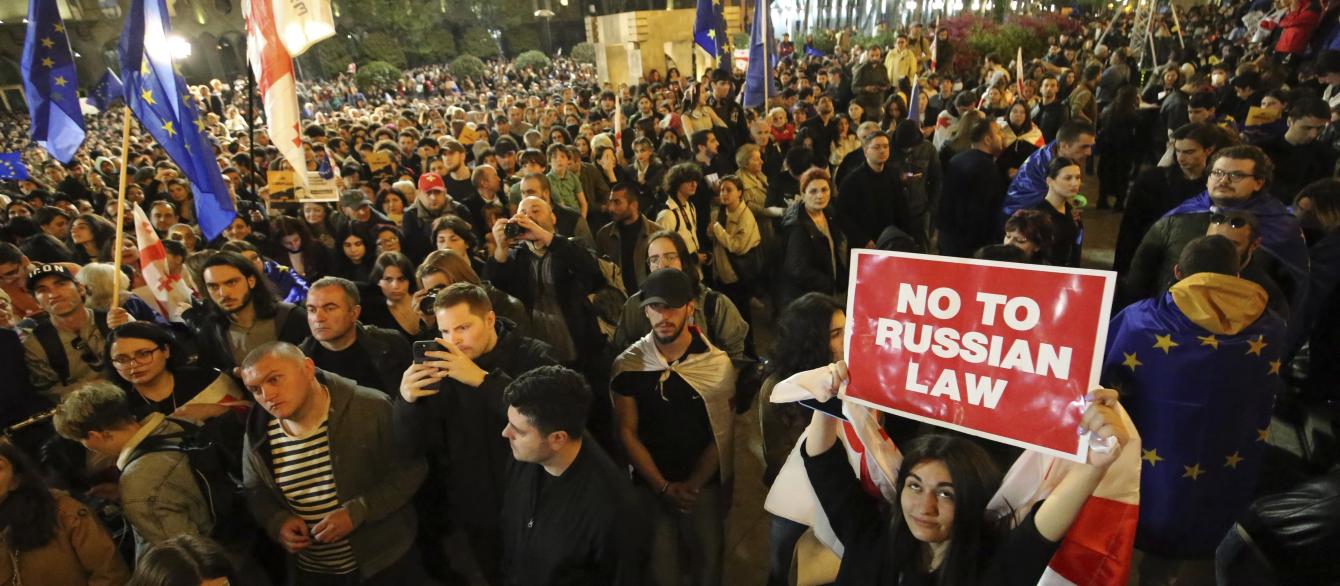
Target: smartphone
(423, 347)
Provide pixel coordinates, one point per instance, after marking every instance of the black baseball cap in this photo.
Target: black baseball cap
(42, 271)
(669, 287)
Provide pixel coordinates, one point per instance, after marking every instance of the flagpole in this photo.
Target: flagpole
(121, 203)
(767, 40)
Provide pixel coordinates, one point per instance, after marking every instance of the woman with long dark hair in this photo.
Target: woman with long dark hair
(145, 360)
(939, 530)
(91, 238)
(306, 255)
(393, 275)
(46, 536)
(355, 257)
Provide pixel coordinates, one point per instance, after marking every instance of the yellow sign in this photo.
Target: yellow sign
(378, 160)
(282, 185)
(1257, 116)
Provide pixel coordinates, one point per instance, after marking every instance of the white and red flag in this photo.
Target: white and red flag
(302, 23)
(272, 64)
(170, 292)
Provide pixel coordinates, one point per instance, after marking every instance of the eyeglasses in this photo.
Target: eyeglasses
(1233, 176)
(1234, 222)
(85, 353)
(387, 241)
(136, 357)
(661, 259)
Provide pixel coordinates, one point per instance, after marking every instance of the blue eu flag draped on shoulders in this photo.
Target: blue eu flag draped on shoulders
(709, 27)
(158, 96)
(12, 167)
(1198, 368)
(49, 82)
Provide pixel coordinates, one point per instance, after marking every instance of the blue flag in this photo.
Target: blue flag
(759, 77)
(12, 167)
(812, 52)
(914, 112)
(709, 27)
(158, 96)
(1198, 368)
(109, 91)
(49, 82)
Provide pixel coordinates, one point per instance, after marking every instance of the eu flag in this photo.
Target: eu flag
(49, 82)
(108, 91)
(12, 167)
(1198, 369)
(709, 27)
(759, 76)
(158, 96)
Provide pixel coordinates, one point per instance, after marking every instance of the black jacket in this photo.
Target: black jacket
(578, 272)
(460, 430)
(388, 351)
(584, 527)
(1154, 193)
(209, 328)
(973, 191)
(871, 202)
(809, 266)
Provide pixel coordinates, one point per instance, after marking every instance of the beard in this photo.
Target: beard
(666, 340)
(246, 301)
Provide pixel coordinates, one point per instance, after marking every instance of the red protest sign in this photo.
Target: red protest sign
(999, 350)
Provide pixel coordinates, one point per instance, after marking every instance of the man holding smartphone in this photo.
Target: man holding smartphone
(451, 409)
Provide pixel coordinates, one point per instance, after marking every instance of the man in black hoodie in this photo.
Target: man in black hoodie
(452, 410)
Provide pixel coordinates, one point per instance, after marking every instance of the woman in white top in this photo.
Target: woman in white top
(696, 115)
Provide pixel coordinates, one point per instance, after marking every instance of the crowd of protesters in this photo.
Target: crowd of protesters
(516, 345)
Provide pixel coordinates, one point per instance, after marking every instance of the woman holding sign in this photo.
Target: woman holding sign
(939, 531)
(1064, 177)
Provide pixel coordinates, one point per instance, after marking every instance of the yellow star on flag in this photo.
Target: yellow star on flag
(199, 124)
(1193, 472)
(48, 43)
(1165, 342)
(1209, 340)
(1257, 345)
(168, 127)
(1131, 361)
(1274, 367)
(48, 63)
(711, 33)
(144, 67)
(60, 81)
(1151, 456)
(1263, 434)
(148, 96)
(60, 28)
(1232, 460)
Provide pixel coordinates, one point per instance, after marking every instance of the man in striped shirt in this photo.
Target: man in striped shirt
(323, 476)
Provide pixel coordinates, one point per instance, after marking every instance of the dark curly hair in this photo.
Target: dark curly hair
(802, 335)
(681, 174)
(28, 514)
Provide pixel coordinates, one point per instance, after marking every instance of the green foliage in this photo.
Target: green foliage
(436, 47)
(536, 60)
(584, 53)
(333, 56)
(823, 40)
(884, 39)
(476, 41)
(521, 38)
(468, 66)
(377, 75)
(384, 47)
(740, 40)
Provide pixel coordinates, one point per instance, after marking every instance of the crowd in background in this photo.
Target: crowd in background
(516, 344)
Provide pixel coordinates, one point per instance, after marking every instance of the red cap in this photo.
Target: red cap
(431, 181)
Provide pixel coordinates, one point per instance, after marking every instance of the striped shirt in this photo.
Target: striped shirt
(304, 473)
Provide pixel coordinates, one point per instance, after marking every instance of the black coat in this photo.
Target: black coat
(969, 203)
(809, 266)
(872, 201)
(584, 527)
(1155, 192)
(388, 351)
(209, 329)
(460, 431)
(578, 272)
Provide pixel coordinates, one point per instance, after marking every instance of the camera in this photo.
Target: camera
(513, 230)
(426, 304)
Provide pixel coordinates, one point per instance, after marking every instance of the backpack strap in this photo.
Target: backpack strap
(49, 339)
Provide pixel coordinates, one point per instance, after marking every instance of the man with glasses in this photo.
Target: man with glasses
(872, 196)
(1236, 182)
(64, 347)
(1244, 231)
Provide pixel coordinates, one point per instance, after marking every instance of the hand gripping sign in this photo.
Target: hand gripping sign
(998, 350)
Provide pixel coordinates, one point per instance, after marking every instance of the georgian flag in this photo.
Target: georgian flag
(935, 46)
(272, 64)
(170, 292)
